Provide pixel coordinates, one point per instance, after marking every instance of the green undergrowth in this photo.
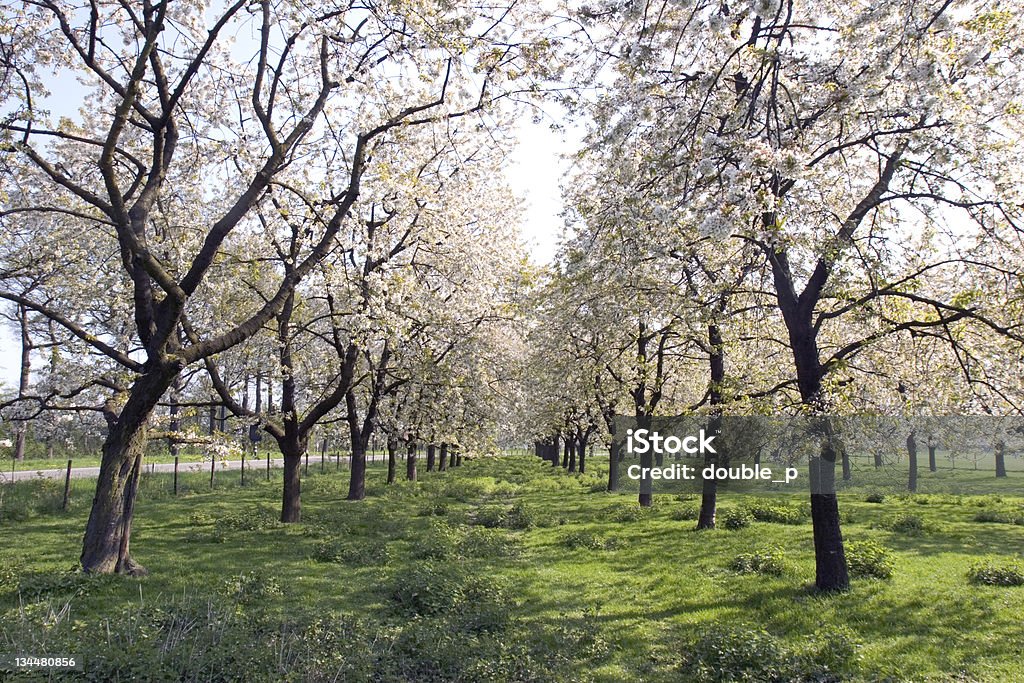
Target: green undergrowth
(510, 570)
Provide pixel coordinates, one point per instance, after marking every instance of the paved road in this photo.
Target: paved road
(92, 472)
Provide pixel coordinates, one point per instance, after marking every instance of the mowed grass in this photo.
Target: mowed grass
(588, 589)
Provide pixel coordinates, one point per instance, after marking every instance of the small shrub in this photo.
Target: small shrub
(251, 586)
(776, 513)
(249, 520)
(869, 559)
(489, 543)
(736, 518)
(724, 654)
(770, 560)
(875, 497)
(990, 573)
(438, 509)
(627, 512)
(519, 516)
(685, 512)
(39, 585)
(907, 524)
(352, 551)
(583, 539)
(995, 517)
(480, 602)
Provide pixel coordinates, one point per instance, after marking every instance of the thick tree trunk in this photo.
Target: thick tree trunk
(442, 462)
(831, 572)
(410, 462)
(572, 455)
(392, 446)
(291, 497)
(1000, 459)
(912, 453)
(431, 452)
(105, 547)
(583, 458)
(357, 473)
(932, 465)
(451, 457)
(458, 458)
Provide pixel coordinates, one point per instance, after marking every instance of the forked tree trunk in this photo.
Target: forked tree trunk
(106, 545)
(431, 450)
(410, 462)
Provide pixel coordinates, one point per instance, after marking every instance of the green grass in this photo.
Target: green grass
(584, 592)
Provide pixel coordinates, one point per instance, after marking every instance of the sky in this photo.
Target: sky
(534, 174)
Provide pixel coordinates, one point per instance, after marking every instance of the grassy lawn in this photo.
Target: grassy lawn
(505, 569)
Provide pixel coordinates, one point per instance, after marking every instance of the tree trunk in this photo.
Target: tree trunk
(442, 462)
(458, 458)
(716, 367)
(431, 452)
(410, 462)
(932, 466)
(1000, 459)
(565, 453)
(847, 474)
(291, 500)
(831, 572)
(392, 446)
(451, 457)
(613, 466)
(572, 455)
(912, 452)
(357, 473)
(24, 378)
(105, 547)
(583, 458)
(878, 459)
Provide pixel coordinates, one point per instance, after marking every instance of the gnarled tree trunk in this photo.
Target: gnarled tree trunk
(105, 547)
